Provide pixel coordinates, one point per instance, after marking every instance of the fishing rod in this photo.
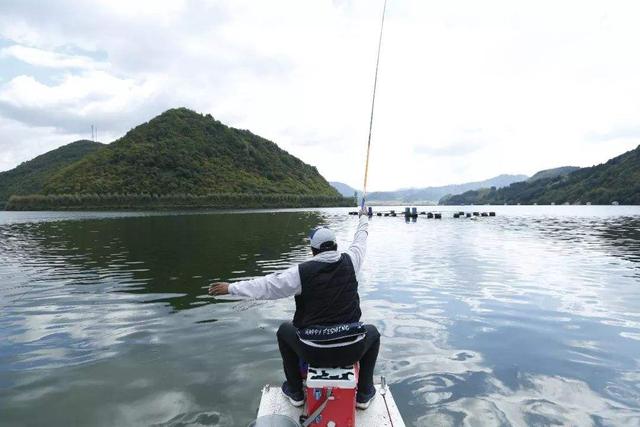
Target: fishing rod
(373, 103)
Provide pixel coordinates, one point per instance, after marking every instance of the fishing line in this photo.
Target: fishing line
(373, 103)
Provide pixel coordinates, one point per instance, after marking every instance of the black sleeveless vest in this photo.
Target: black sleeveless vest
(329, 294)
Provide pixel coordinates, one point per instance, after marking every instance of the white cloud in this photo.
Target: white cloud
(48, 59)
(539, 79)
(78, 101)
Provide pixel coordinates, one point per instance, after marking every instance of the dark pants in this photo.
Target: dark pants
(292, 351)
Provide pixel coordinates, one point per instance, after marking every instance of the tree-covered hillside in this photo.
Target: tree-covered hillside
(183, 152)
(617, 180)
(30, 177)
(553, 173)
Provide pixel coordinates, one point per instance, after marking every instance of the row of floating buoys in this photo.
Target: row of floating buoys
(474, 214)
(413, 213)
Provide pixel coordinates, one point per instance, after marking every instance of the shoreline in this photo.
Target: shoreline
(137, 202)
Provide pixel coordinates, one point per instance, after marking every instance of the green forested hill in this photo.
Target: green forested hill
(30, 177)
(553, 173)
(616, 180)
(183, 152)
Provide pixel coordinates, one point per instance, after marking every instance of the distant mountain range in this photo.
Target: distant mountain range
(617, 180)
(345, 189)
(428, 195)
(181, 157)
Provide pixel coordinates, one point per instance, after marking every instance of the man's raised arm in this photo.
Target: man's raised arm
(358, 248)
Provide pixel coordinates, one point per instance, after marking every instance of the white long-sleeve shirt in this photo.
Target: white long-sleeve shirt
(287, 283)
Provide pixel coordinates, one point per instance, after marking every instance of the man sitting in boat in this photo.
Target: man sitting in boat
(326, 294)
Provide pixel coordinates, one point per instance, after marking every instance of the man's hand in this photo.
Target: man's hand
(219, 288)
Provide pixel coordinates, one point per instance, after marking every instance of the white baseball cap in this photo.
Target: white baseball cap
(322, 237)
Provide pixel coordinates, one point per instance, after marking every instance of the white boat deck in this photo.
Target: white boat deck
(382, 412)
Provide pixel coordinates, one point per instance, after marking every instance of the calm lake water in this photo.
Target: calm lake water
(528, 318)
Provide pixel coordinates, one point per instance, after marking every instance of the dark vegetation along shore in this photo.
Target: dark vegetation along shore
(179, 159)
(616, 181)
(170, 201)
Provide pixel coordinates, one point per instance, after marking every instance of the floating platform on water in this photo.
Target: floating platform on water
(382, 412)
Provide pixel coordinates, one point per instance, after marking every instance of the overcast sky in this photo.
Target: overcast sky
(467, 89)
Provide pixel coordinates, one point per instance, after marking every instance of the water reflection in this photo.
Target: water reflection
(520, 319)
(171, 257)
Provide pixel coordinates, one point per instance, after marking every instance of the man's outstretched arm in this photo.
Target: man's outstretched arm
(272, 286)
(358, 248)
